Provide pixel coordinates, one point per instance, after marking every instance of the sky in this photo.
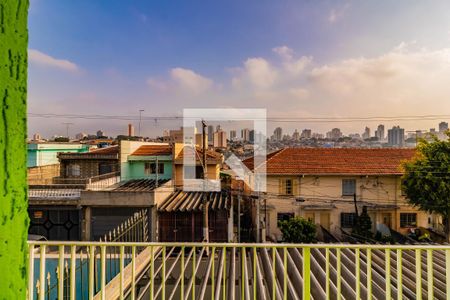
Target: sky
(297, 59)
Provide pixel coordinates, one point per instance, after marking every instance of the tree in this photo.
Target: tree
(426, 180)
(297, 230)
(363, 225)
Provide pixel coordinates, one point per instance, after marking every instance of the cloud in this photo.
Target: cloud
(338, 13)
(256, 72)
(182, 80)
(292, 65)
(39, 58)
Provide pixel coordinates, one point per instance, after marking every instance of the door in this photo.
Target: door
(325, 220)
(386, 218)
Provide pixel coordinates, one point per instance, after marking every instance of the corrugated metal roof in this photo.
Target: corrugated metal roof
(139, 185)
(192, 201)
(151, 150)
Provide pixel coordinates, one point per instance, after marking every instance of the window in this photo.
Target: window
(284, 216)
(286, 187)
(73, 170)
(348, 187)
(348, 220)
(408, 220)
(150, 168)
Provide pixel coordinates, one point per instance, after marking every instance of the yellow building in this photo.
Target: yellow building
(322, 185)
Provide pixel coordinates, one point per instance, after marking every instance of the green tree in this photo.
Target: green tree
(426, 180)
(363, 224)
(297, 230)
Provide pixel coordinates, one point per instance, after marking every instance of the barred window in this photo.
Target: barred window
(288, 187)
(348, 220)
(408, 219)
(150, 168)
(348, 187)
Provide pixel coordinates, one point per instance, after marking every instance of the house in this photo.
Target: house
(323, 184)
(41, 154)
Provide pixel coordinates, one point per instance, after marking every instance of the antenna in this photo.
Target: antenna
(67, 128)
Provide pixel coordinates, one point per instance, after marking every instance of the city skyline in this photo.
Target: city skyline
(299, 59)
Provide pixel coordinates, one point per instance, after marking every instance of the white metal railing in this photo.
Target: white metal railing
(247, 271)
(54, 193)
(102, 183)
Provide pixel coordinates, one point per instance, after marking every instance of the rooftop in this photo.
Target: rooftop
(152, 150)
(139, 185)
(335, 161)
(192, 201)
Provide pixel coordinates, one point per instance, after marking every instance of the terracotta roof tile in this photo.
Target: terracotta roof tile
(106, 150)
(150, 150)
(350, 161)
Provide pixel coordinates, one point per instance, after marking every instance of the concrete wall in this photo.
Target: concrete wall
(320, 199)
(135, 169)
(13, 132)
(213, 173)
(41, 154)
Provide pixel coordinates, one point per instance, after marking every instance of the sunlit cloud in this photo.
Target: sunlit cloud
(41, 59)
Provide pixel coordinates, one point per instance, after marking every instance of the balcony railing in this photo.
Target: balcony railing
(245, 271)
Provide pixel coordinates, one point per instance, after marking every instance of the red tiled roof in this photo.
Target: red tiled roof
(335, 161)
(150, 150)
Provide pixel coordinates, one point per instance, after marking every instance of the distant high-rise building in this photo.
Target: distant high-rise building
(80, 136)
(210, 134)
(251, 136)
(396, 136)
(443, 126)
(296, 135)
(379, 133)
(220, 139)
(306, 133)
(366, 134)
(278, 134)
(334, 134)
(232, 135)
(100, 133)
(130, 130)
(218, 128)
(36, 137)
(198, 140)
(245, 134)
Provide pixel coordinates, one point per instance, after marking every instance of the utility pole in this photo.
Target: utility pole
(356, 207)
(258, 225)
(140, 119)
(67, 128)
(204, 195)
(239, 214)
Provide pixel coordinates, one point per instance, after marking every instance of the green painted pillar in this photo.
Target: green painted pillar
(13, 171)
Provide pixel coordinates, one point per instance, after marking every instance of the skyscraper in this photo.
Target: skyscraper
(366, 134)
(232, 135)
(130, 130)
(220, 139)
(210, 134)
(396, 136)
(245, 134)
(296, 135)
(379, 133)
(278, 134)
(443, 126)
(306, 133)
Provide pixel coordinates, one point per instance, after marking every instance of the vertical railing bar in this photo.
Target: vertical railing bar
(447, 272)
(387, 263)
(327, 273)
(358, 273)
(121, 267)
(103, 271)
(152, 272)
(182, 272)
(213, 272)
(133, 272)
(193, 272)
(338, 272)
(61, 272)
(285, 273)
(430, 283)
(164, 272)
(224, 280)
(306, 273)
(91, 271)
(418, 275)
(42, 272)
(255, 276)
(30, 272)
(399, 274)
(73, 267)
(369, 274)
(242, 273)
(273, 273)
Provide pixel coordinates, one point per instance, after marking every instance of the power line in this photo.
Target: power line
(268, 119)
